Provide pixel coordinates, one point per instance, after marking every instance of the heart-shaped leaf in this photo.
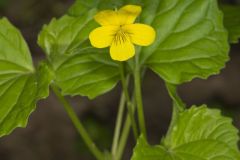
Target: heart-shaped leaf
(20, 85)
(191, 39)
(80, 69)
(199, 133)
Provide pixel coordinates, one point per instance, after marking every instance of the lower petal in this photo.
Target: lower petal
(140, 34)
(102, 37)
(122, 51)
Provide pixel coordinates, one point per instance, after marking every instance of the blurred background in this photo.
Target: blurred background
(51, 136)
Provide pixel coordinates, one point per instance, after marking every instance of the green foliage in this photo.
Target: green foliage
(191, 41)
(183, 28)
(44, 76)
(79, 68)
(199, 133)
(20, 86)
(232, 21)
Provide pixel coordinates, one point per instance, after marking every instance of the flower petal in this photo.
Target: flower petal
(107, 17)
(126, 15)
(102, 37)
(129, 13)
(122, 50)
(140, 34)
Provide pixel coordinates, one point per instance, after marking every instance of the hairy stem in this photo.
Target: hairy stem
(79, 126)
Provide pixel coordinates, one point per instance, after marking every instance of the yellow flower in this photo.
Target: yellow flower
(119, 32)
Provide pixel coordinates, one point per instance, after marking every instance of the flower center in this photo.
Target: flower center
(120, 37)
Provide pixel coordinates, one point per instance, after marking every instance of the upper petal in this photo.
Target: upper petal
(107, 17)
(125, 15)
(140, 34)
(122, 49)
(129, 13)
(103, 36)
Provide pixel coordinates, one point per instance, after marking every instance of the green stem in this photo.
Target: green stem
(129, 103)
(138, 91)
(178, 105)
(125, 134)
(126, 129)
(175, 114)
(124, 137)
(77, 123)
(118, 125)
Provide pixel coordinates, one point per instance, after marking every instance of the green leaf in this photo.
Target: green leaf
(191, 39)
(44, 77)
(202, 123)
(79, 68)
(88, 74)
(143, 151)
(199, 133)
(18, 81)
(232, 21)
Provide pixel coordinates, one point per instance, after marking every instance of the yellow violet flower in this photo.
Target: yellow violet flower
(119, 32)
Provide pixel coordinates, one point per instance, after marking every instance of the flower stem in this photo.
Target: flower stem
(118, 125)
(138, 92)
(79, 126)
(124, 137)
(125, 134)
(129, 103)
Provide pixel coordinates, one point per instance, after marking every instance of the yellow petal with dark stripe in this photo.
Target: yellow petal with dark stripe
(122, 49)
(102, 37)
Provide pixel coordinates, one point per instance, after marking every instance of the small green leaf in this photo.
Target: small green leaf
(79, 68)
(232, 21)
(44, 76)
(88, 74)
(66, 35)
(191, 39)
(18, 81)
(198, 134)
